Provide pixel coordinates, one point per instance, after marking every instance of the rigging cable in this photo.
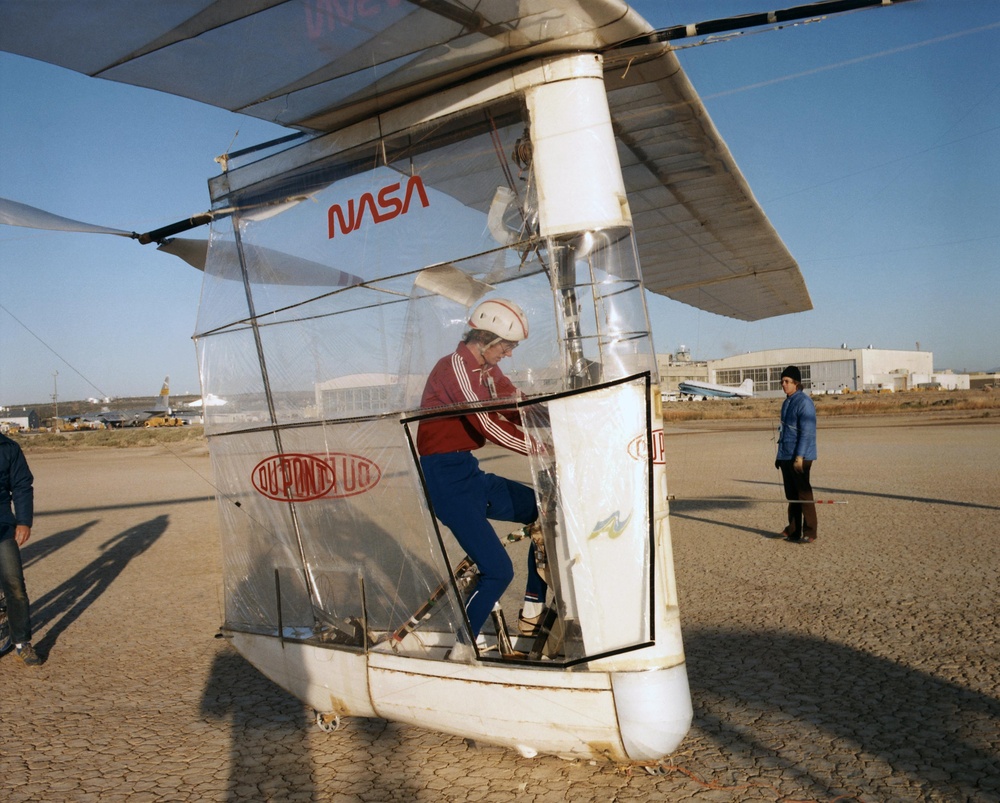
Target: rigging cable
(65, 361)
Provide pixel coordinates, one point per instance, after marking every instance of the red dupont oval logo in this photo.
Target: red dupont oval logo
(637, 448)
(305, 477)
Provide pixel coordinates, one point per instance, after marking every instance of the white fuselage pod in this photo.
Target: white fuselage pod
(629, 700)
(621, 716)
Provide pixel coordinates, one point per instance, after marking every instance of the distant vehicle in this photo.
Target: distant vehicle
(708, 390)
(163, 421)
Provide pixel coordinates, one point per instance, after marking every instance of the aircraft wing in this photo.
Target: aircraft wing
(703, 238)
(317, 65)
(309, 64)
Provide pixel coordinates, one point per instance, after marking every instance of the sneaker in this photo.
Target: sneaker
(28, 655)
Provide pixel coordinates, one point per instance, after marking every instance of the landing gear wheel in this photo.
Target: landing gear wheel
(328, 722)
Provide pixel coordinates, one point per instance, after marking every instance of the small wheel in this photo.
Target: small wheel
(328, 722)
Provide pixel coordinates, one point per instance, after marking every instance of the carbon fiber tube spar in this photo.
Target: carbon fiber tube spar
(157, 235)
(756, 20)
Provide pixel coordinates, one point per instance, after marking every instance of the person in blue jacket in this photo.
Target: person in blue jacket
(16, 488)
(796, 452)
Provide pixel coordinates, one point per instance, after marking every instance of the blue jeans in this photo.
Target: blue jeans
(463, 497)
(12, 581)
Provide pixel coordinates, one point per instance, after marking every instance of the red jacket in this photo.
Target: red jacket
(459, 379)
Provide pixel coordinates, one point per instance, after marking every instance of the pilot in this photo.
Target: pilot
(462, 495)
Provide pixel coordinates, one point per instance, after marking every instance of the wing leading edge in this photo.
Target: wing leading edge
(703, 239)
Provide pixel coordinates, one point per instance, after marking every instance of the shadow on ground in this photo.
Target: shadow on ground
(64, 604)
(782, 700)
(270, 753)
(829, 719)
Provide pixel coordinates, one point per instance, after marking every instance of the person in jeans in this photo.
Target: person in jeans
(796, 452)
(16, 512)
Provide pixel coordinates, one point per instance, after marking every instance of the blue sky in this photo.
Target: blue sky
(872, 140)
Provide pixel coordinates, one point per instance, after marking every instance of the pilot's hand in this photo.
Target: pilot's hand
(777, 463)
(537, 447)
(798, 465)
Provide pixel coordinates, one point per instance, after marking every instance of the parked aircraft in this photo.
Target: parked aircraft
(115, 419)
(552, 153)
(709, 390)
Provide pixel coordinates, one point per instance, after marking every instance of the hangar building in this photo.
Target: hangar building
(832, 370)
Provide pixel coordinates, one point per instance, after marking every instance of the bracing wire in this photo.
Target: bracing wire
(66, 362)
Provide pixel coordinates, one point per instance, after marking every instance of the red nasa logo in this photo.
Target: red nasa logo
(388, 206)
(637, 448)
(306, 477)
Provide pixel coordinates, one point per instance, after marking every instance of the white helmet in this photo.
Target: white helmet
(501, 317)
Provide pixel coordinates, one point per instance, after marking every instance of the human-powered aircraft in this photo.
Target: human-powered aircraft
(552, 153)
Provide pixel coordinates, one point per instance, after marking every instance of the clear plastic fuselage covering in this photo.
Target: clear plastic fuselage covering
(345, 268)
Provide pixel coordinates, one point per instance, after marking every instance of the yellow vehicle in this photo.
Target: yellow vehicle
(163, 421)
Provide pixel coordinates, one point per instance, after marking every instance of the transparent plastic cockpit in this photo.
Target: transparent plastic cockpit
(340, 271)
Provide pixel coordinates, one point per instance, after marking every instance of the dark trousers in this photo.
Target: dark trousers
(797, 487)
(463, 497)
(12, 581)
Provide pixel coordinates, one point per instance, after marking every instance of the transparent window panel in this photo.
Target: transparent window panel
(594, 499)
(258, 539)
(338, 511)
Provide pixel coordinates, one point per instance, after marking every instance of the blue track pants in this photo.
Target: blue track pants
(464, 497)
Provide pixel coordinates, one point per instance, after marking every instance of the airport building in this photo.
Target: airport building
(679, 367)
(832, 370)
(984, 380)
(18, 419)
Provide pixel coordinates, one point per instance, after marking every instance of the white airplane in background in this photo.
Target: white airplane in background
(709, 390)
(553, 152)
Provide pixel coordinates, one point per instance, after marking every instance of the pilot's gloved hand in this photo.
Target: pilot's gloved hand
(777, 463)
